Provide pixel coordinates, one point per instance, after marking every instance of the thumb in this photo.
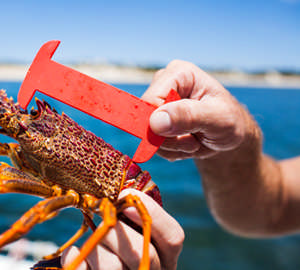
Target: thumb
(216, 122)
(177, 118)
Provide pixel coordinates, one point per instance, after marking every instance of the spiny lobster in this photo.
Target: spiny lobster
(68, 166)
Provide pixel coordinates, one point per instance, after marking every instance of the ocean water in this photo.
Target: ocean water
(207, 245)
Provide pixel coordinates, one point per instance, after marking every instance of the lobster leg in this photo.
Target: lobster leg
(7, 148)
(14, 180)
(135, 201)
(13, 151)
(84, 227)
(109, 213)
(42, 211)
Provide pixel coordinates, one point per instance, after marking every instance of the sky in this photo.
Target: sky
(238, 34)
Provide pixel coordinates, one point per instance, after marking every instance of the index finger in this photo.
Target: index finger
(184, 77)
(178, 75)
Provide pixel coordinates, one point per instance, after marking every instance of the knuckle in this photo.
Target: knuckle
(158, 74)
(233, 120)
(178, 63)
(229, 120)
(230, 124)
(175, 243)
(175, 62)
(182, 67)
(230, 128)
(227, 112)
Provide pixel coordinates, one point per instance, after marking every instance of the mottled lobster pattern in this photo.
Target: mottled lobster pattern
(65, 153)
(55, 153)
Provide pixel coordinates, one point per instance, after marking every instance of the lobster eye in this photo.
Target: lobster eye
(34, 113)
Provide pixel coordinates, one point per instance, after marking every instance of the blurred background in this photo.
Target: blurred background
(252, 47)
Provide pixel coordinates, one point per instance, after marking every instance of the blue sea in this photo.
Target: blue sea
(207, 245)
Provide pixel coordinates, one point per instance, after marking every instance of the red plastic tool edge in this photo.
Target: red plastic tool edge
(96, 98)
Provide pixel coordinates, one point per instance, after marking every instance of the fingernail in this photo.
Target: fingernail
(160, 122)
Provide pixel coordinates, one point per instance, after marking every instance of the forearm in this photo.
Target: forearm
(243, 187)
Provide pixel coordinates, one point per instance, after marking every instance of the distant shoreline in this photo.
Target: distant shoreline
(137, 75)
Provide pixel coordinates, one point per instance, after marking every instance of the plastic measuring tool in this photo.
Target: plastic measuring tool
(91, 96)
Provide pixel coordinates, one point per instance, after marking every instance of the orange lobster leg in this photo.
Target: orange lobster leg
(135, 201)
(7, 148)
(42, 211)
(14, 180)
(84, 227)
(109, 213)
(12, 150)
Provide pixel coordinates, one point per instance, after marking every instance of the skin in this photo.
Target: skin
(122, 246)
(249, 193)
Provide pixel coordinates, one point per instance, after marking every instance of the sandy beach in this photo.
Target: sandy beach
(130, 74)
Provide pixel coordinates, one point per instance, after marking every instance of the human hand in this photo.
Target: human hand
(122, 247)
(206, 121)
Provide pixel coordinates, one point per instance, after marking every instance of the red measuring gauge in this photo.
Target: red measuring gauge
(91, 96)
